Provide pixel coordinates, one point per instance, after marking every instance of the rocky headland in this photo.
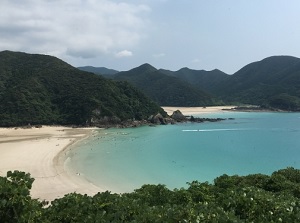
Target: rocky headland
(153, 120)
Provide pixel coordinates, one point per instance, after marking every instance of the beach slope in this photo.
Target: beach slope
(40, 152)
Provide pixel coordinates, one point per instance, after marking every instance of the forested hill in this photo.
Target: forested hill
(98, 70)
(202, 79)
(272, 82)
(165, 89)
(40, 89)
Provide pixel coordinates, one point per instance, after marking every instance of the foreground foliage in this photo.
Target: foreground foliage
(252, 198)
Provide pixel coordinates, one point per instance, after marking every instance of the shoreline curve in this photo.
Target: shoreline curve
(41, 152)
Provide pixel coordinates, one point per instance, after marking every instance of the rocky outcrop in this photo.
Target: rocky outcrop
(157, 119)
(199, 120)
(178, 116)
(153, 120)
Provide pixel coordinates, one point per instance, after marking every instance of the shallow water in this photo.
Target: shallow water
(121, 160)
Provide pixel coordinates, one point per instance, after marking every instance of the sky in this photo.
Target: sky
(169, 34)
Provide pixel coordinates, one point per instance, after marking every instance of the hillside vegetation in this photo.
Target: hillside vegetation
(206, 80)
(272, 83)
(39, 89)
(98, 70)
(252, 198)
(164, 89)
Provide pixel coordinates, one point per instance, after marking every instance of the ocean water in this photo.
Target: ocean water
(121, 160)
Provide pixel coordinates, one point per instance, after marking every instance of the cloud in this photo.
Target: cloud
(77, 28)
(124, 53)
(196, 60)
(159, 55)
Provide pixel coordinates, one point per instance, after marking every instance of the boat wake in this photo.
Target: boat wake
(210, 130)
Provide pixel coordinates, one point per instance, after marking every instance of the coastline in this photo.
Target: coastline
(41, 152)
(198, 110)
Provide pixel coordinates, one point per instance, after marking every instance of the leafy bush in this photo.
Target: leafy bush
(16, 205)
(252, 198)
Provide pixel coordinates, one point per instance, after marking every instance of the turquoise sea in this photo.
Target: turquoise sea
(121, 160)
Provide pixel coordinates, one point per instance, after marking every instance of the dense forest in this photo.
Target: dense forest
(208, 81)
(272, 83)
(252, 198)
(98, 70)
(40, 89)
(166, 90)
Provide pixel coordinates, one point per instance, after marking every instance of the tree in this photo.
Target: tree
(16, 204)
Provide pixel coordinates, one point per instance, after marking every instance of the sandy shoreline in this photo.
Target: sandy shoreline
(39, 151)
(197, 110)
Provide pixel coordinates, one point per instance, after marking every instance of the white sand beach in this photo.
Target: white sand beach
(197, 110)
(40, 151)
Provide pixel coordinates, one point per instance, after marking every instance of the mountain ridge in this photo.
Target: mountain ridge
(272, 82)
(164, 89)
(42, 89)
(98, 70)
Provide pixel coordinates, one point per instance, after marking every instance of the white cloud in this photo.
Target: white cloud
(159, 55)
(77, 28)
(124, 53)
(196, 60)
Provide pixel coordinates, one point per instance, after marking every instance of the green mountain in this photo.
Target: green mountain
(202, 79)
(41, 89)
(98, 70)
(165, 89)
(272, 82)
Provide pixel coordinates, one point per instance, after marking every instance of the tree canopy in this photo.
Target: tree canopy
(39, 89)
(273, 82)
(166, 90)
(251, 198)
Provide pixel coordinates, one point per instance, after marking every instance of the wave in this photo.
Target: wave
(210, 130)
(192, 130)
